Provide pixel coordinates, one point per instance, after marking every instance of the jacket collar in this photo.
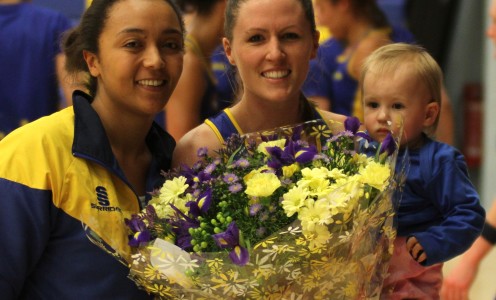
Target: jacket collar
(90, 139)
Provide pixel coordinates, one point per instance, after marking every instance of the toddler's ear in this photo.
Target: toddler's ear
(431, 113)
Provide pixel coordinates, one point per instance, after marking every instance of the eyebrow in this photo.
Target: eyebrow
(263, 29)
(141, 31)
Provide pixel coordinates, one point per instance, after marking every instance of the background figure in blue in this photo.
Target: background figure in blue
(194, 98)
(358, 27)
(225, 75)
(31, 62)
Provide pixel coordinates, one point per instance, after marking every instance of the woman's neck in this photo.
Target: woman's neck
(255, 116)
(132, 143)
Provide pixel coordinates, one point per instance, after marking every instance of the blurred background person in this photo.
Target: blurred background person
(357, 27)
(33, 81)
(225, 78)
(194, 98)
(458, 282)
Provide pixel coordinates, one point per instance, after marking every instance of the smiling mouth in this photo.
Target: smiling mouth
(276, 74)
(152, 83)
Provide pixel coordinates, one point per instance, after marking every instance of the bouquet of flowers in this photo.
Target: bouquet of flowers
(299, 212)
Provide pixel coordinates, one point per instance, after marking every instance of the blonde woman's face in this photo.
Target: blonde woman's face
(271, 47)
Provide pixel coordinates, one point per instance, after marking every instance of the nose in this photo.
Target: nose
(383, 114)
(275, 50)
(153, 58)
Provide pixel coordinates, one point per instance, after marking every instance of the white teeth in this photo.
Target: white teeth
(151, 82)
(276, 74)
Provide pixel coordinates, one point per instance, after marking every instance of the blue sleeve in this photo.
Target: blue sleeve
(24, 227)
(458, 201)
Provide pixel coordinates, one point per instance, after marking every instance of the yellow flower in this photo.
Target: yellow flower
(294, 200)
(337, 174)
(288, 171)
(173, 189)
(315, 173)
(318, 237)
(277, 143)
(314, 213)
(164, 210)
(262, 184)
(376, 175)
(316, 181)
(253, 172)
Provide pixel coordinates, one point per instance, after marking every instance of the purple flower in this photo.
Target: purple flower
(230, 239)
(210, 168)
(306, 155)
(388, 145)
(180, 227)
(234, 188)
(202, 152)
(201, 205)
(364, 136)
(239, 255)
(352, 124)
(242, 163)
(141, 235)
(230, 178)
(255, 209)
(292, 153)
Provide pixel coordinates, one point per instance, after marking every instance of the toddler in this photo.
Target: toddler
(439, 214)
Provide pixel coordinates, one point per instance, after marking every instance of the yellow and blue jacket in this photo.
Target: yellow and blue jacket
(59, 184)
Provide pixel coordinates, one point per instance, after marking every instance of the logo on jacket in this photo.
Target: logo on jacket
(103, 200)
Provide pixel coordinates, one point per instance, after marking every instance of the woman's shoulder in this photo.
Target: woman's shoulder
(332, 117)
(38, 146)
(187, 147)
(56, 128)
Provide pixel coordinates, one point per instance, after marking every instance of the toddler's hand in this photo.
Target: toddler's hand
(415, 249)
